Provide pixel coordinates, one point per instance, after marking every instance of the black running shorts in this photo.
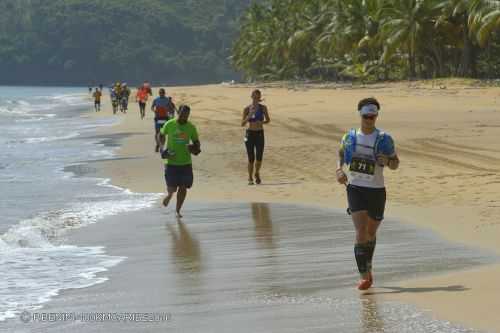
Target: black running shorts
(365, 198)
(179, 175)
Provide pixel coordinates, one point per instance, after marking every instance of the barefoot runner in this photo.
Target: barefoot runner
(181, 143)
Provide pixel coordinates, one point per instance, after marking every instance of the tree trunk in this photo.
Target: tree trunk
(468, 61)
(437, 60)
(386, 73)
(489, 75)
(411, 63)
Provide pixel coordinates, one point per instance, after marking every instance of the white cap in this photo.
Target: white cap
(369, 109)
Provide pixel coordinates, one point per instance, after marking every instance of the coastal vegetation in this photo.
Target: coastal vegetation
(197, 41)
(369, 39)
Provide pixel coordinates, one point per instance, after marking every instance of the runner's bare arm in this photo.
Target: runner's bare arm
(339, 173)
(172, 105)
(267, 120)
(340, 162)
(162, 139)
(245, 117)
(195, 148)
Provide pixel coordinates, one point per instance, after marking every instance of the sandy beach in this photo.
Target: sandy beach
(448, 181)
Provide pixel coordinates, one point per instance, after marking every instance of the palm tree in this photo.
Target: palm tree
(469, 14)
(348, 39)
(403, 27)
(364, 38)
(484, 19)
(251, 50)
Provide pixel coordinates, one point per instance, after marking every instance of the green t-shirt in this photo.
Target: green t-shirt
(179, 137)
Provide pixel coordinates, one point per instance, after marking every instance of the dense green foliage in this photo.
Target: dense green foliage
(369, 39)
(93, 41)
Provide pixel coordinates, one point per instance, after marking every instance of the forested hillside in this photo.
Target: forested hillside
(369, 39)
(93, 41)
(190, 41)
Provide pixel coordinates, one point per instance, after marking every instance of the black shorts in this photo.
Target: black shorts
(179, 175)
(365, 198)
(142, 105)
(97, 103)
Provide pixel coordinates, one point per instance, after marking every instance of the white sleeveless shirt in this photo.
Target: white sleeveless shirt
(364, 170)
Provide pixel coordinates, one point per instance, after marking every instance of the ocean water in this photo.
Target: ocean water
(42, 132)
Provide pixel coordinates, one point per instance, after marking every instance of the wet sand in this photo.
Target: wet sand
(256, 267)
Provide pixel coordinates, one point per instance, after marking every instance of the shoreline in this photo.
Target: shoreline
(450, 215)
(286, 268)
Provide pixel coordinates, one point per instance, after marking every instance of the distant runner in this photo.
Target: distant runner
(182, 142)
(147, 86)
(366, 151)
(164, 110)
(255, 115)
(124, 96)
(114, 99)
(118, 95)
(141, 97)
(97, 99)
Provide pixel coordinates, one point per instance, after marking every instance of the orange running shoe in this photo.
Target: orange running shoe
(364, 284)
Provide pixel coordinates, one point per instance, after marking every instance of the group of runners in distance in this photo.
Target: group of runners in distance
(119, 94)
(363, 155)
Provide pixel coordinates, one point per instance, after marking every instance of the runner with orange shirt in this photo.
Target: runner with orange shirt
(142, 97)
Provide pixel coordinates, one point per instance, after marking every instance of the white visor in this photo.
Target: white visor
(369, 109)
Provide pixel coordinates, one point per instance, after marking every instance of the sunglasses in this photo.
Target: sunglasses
(365, 116)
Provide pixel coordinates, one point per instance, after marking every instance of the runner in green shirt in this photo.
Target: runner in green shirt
(181, 143)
